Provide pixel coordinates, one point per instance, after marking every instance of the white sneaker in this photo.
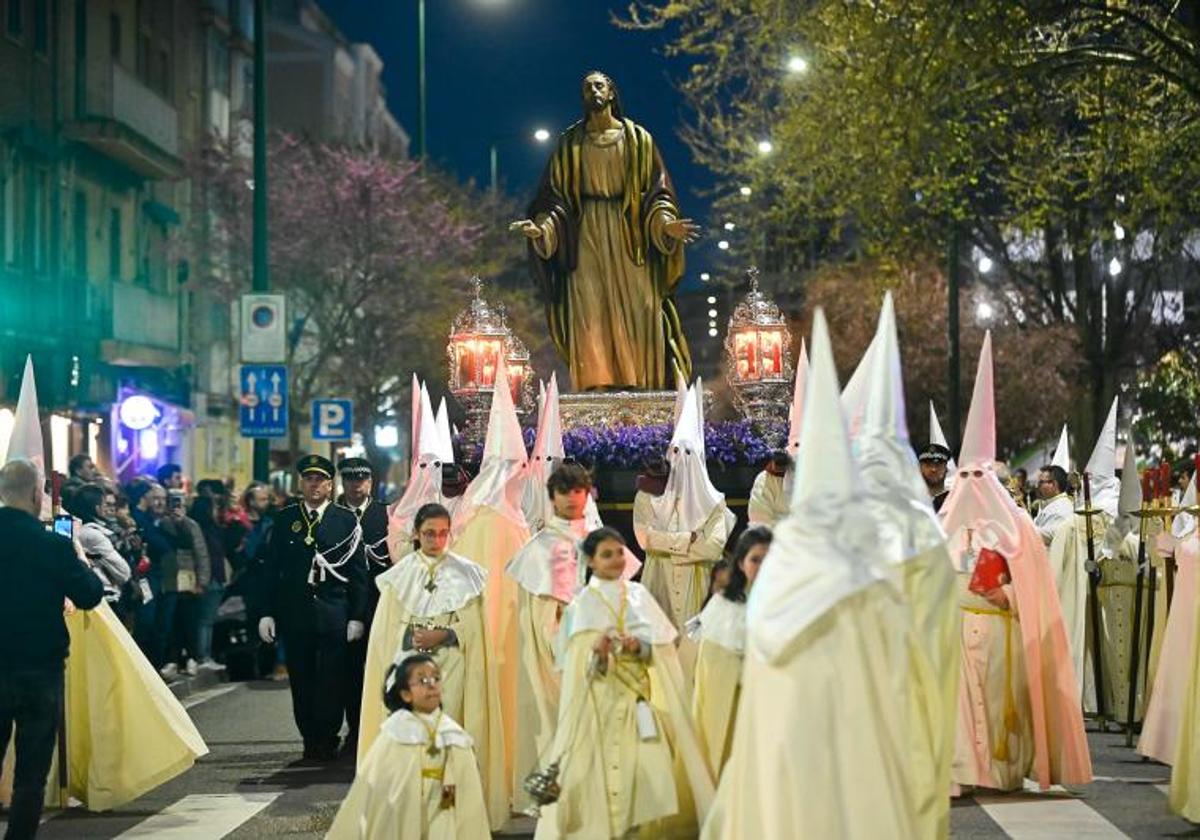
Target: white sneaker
(211, 665)
(169, 671)
(191, 667)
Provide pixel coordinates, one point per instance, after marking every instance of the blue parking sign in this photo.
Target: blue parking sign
(332, 419)
(264, 401)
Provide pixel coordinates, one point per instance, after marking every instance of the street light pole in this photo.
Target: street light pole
(421, 149)
(261, 281)
(495, 164)
(954, 379)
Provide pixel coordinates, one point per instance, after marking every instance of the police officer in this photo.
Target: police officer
(933, 460)
(316, 590)
(358, 480)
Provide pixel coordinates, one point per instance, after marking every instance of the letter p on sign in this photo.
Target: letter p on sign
(332, 420)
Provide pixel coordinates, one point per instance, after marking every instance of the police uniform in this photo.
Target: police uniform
(938, 454)
(372, 517)
(317, 584)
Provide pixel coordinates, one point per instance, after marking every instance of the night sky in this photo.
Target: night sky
(498, 69)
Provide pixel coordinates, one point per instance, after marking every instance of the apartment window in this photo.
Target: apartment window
(114, 244)
(79, 233)
(218, 61)
(12, 19)
(114, 36)
(41, 27)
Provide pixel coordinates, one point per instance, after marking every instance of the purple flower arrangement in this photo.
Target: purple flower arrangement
(738, 443)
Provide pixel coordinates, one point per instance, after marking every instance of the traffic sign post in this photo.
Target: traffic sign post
(332, 419)
(264, 401)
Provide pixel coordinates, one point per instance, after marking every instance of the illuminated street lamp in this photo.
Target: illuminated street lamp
(765, 147)
(758, 356)
(796, 64)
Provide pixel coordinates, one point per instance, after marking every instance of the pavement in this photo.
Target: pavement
(247, 788)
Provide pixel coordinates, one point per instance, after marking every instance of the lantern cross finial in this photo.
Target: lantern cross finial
(477, 285)
(752, 274)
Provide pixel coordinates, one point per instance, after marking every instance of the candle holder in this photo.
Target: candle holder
(479, 338)
(758, 356)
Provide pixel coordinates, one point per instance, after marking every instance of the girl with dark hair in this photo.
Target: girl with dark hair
(623, 738)
(87, 504)
(419, 780)
(720, 631)
(431, 602)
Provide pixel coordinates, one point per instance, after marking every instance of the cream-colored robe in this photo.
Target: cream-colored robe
(676, 570)
(397, 792)
(469, 690)
(1184, 794)
(720, 632)
(1165, 713)
(1068, 558)
(768, 501)
(1053, 514)
(491, 539)
(822, 744)
(613, 780)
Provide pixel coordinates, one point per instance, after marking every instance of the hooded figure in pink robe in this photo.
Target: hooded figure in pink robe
(1018, 711)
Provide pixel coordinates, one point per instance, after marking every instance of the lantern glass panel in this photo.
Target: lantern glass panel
(770, 343)
(745, 354)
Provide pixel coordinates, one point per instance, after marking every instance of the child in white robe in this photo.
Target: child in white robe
(419, 781)
(624, 741)
(720, 631)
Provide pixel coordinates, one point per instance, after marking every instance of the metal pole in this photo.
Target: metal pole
(421, 148)
(261, 281)
(494, 159)
(953, 367)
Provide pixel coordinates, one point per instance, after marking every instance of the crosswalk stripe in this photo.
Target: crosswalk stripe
(1047, 817)
(201, 816)
(208, 694)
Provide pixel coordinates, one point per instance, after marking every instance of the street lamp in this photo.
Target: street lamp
(765, 147)
(730, 226)
(796, 64)
(723, 244)
(985, 264)
(745, 192)
(1114, 267)
(541, 135)
(705, 276)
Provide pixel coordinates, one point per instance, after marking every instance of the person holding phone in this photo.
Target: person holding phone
(38, 569)
(87, 504)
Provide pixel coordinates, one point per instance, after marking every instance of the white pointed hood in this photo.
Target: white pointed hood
(796, 411)
(854, 395)
(688, 491)
(548, 453)
(445, 442)
(415, 422)
(500, 482)
(826, 549)
(978, 501)
(1184, 525)
(425, 481)
(1102, 466)
(1130, 498)
(681, 388)
(1062, 453)
(26, 439)
(936, 435)
(894, 488)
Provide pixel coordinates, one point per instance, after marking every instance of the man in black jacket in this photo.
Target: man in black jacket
(358, 479)
(316, 588)
(38, 569)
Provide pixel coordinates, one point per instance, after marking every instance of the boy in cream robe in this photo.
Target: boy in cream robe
(433, 600)
(821, 747)
(624, 741)
(420, 780)
(684, 530)
(547, 455)
(1018, 703)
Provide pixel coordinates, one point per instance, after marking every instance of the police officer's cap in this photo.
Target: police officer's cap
(934, 453)
(315, 464)
(355, 468)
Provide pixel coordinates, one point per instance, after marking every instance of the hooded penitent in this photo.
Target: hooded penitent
(689, 491)
(1102, 467)
(828, 638)
(1062, 453)
(548, 454)
(979, 513)
(433, 448)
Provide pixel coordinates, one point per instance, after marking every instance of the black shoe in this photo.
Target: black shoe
(326, 753)
(310, 750)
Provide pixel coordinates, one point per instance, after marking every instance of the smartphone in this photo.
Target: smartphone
(175, 499)
(64, 524)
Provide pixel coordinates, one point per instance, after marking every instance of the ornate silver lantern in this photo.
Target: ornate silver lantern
(478, 340)
(758, 356)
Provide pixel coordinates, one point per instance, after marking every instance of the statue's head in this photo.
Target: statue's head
(599, 92)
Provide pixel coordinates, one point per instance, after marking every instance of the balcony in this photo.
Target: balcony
(145, 328)
(129, 122)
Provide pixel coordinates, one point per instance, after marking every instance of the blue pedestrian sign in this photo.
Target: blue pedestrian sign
(332, 419)
(264, 401)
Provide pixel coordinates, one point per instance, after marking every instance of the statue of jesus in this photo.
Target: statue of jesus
(606, 242)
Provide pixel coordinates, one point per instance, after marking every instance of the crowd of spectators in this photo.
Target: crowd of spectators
(169, 554)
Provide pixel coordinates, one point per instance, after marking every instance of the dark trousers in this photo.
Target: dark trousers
(318, 667)
(33, 701)
(154, 625)
(358, 667)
